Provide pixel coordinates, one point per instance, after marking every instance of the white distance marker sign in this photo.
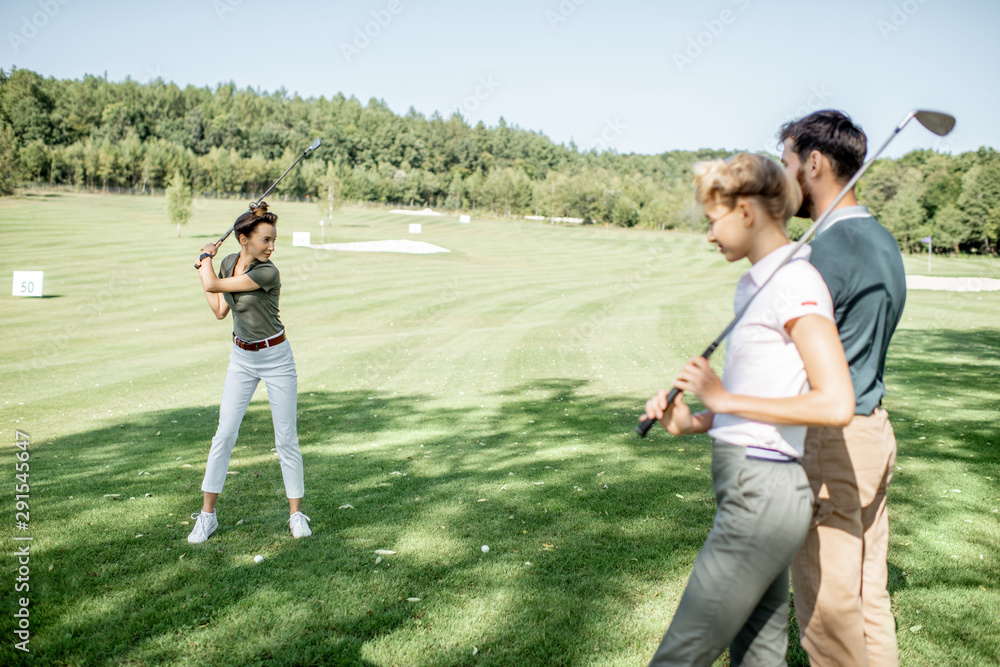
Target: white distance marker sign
(28, 283)
(464, 219)
(414, 228)
(300, 238)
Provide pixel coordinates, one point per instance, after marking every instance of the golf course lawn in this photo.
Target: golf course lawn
(485, 396)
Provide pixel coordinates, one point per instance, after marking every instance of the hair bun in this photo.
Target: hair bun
(260, 210)
(748, 175)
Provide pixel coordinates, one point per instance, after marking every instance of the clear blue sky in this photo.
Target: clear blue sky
(631, 76)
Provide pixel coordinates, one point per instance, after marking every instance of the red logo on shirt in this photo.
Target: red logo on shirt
(809, 303)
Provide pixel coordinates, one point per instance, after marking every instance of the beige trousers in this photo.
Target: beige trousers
(839, 575)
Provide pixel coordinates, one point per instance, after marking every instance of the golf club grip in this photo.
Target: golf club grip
(219, 242)
(643, 428)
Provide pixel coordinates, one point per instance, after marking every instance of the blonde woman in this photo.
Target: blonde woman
(784, 369)
(249, 285)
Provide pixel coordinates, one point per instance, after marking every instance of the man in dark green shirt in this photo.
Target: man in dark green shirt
(840, 574)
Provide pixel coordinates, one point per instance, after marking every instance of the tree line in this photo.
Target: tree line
(231, 141)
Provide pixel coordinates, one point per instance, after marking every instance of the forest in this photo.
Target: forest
(227, 141)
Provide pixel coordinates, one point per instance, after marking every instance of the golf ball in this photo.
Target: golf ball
(485, 548)
(258, 559)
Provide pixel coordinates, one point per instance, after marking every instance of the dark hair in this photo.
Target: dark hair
(833, 134)
(246, 223)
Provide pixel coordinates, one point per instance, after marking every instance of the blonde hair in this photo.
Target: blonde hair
(748, 175)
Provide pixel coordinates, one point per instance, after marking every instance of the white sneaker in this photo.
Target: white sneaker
(204, 526)
(299, 523)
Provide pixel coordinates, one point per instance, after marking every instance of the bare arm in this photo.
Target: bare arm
(215, 298)
(212, 284)
(215, 285)
(218, 304)
(829, 401)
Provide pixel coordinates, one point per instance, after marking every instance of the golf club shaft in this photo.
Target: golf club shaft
(643, 428)
(261, 198)
(268, 191)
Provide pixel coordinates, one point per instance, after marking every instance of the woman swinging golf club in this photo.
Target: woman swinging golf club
(249, 285)
(785, 368)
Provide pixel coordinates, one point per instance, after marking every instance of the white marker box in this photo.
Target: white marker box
(300, 239)
(464, 218)
(414, 228)
(28, 283)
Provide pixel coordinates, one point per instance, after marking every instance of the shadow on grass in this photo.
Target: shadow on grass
(604, 525)
(934, 368)
(943, 376)
(415, 473)
(414, 470)
(933, 373)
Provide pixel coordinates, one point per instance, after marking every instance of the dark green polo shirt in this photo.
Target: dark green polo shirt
(255, 313)
(862, 266)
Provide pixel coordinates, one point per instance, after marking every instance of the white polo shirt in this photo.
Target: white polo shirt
(761, 359)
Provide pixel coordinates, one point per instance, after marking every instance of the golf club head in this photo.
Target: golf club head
(318, 141)
(935, 121)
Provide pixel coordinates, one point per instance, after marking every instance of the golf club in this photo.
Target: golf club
(935, 121)
(255, 204)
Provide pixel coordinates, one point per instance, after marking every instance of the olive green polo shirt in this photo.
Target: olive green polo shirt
(255, 313)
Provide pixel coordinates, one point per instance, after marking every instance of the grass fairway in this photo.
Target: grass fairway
(482, 397)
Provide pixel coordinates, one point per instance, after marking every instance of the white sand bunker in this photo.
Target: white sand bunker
(942, 284)
(408, 247)
(424, 212)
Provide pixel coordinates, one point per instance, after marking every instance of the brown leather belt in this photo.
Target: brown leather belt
(254, 347)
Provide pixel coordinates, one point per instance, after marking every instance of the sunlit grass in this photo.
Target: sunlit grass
(482, 397)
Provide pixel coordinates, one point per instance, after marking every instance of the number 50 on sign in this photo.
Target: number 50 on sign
(28, 283)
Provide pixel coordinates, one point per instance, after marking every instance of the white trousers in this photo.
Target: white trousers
(276, 367)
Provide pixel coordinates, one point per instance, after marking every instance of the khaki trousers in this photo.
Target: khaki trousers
(839, 576)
